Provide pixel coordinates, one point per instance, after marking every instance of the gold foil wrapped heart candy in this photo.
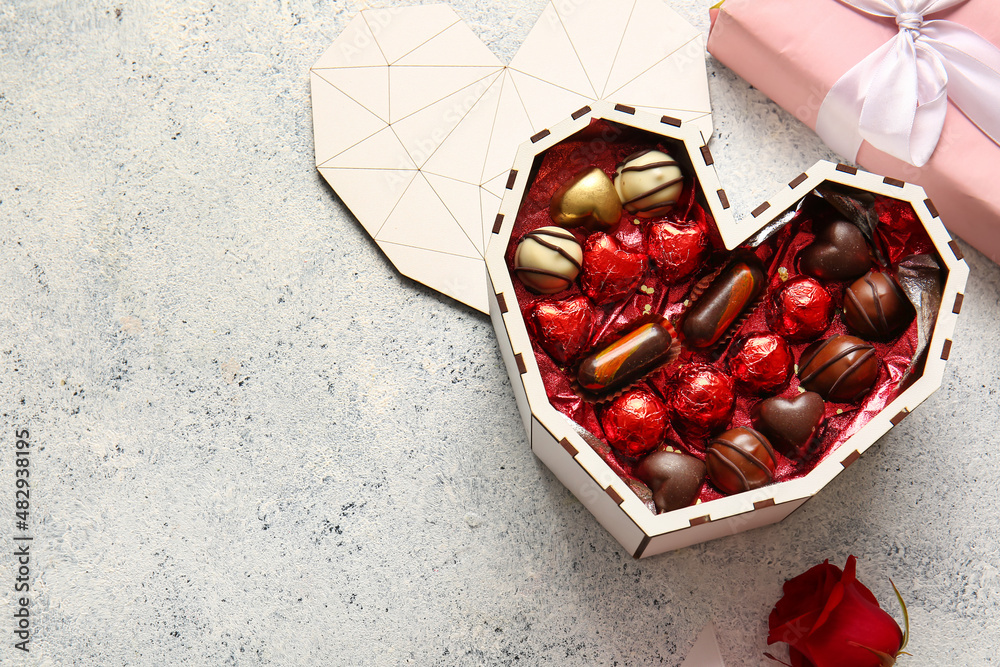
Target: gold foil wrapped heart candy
(587, 200)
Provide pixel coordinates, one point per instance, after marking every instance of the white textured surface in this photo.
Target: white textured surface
(262, 446)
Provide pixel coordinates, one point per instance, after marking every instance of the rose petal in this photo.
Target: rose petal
(851, 619)
(804, 594)
(798, 660)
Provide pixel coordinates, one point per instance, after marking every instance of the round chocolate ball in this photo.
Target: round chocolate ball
(875, 307)
(674, 478)
(635, 422)
(841, 368)
(762, 363)
(800, 310)
(739, 460)
(701, 400)
(548, 260)
(649, 183)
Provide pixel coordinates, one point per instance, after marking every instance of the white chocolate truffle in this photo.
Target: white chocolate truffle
(548, 260)
(649, 183)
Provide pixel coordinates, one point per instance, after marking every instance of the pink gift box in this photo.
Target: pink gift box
(795, 51)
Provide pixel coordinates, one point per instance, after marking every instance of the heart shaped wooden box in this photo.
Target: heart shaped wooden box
(417, 124)
(561, 445)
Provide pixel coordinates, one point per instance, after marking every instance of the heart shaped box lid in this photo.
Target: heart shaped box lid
(568, 450)
(417, 123)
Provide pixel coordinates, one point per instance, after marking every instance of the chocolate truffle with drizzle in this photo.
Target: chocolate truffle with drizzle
(649, 183)
(548, 260)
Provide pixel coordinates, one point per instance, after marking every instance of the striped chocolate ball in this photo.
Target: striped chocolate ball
(741, 459)
(875, 307)
(841, 368)
(548, 260)
(649, 183)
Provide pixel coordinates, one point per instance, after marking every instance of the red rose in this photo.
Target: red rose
(830, 619)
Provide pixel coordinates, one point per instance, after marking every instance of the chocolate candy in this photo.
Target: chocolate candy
(548, 260)
(563, 327)
(723, 301)
(800, 310)
(740, 460)
(625, 360)
(875, 307)
(840, 369)
(674, 478)
(677, 251)
(839, 252)
(609, 273)
(588, 199)
(761, 363)
(791, 424)
(649, 183)
(635, 422)
(701, 400)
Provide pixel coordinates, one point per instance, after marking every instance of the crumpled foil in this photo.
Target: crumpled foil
(922, 282)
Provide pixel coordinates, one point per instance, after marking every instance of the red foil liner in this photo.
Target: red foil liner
(662, 294)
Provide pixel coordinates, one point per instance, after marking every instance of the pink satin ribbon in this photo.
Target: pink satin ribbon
(897, 97)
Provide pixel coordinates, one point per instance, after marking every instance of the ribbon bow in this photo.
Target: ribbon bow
(897, 97)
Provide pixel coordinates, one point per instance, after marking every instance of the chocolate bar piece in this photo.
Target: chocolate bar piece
(626, 360)
(722, 303)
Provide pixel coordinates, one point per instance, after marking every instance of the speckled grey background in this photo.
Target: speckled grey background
(258, 444)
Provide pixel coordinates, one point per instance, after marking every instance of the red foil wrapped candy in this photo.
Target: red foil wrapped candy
(563, 327)
(635, 423)
(762, 364)
(701, 400)
(676, 251)
(801, 310)
(610, 273)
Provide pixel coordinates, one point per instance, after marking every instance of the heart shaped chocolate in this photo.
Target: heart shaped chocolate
(839, 252)
(563, 327)
(586, 200)
(609, 273)
(673, 478)
(676, 250)
(791, 424)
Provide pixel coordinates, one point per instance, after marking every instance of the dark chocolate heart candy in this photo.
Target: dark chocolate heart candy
(674, 478)
(839, 252)
(610, 273)
(791, 423)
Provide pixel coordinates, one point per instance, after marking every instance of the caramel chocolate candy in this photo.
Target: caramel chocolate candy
(548, 260)
(649, 183)
(674, 478)
(625, 360)
(875, 307)
(841, 369)
(588, 199)
(722, 303)
(739, 460)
